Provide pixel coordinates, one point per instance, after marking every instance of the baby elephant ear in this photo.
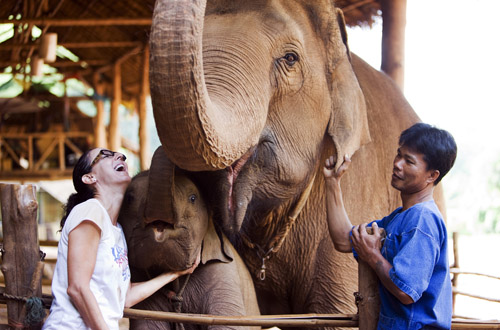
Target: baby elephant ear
(159, 199)
(215, 246)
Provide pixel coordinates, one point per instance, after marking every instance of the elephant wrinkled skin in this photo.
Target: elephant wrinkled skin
(165, 229)
(251, 97)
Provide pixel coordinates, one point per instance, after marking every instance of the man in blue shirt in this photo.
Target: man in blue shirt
(412, 262)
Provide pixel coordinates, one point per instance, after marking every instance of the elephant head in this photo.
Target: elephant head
(252, 88)
(166, 221)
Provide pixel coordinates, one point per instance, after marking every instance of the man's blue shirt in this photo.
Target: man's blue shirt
(417, 247)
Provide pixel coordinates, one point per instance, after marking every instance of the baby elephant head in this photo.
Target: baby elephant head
(166, 221)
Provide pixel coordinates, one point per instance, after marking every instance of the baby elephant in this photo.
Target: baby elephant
(166, 224)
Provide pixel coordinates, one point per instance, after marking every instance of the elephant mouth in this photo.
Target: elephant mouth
(160, 229)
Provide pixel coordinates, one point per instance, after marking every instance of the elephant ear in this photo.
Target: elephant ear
(215, 246)
(348, 124)
(159, 200)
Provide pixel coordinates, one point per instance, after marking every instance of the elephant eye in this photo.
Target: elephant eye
(290, 58)
(192, 199)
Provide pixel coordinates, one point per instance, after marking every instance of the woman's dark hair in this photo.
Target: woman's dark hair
(83, 191)
(437, 145)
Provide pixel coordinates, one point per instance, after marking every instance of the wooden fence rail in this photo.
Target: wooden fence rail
(455, 271)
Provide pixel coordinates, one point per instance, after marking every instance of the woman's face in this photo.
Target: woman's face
(109, 166)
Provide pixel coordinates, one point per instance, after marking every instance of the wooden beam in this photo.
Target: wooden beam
(114, 119)
(81, 21)
(61, 64)
(92, 44)
(393, 39)
(144, 148)
(356, 5)
(120, 60)
(100, 126)
(73, 147)
(43, 174)
(46, 154)
(11, 152)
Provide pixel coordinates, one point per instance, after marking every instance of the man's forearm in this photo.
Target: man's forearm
(382, 268)
(339, 224)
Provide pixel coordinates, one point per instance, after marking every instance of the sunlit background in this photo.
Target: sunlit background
(452, 74)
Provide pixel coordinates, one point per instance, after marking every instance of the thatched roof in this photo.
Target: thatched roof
(101, 32)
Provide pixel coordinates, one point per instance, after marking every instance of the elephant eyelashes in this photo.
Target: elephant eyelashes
(192, 199)
(290, 58)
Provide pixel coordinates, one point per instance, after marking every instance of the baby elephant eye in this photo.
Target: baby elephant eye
(192, 199)
(290, 58)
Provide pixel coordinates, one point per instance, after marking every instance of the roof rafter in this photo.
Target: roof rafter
(90, 44)
(81, 21)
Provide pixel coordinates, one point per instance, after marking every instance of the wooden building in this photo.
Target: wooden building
(41, 134)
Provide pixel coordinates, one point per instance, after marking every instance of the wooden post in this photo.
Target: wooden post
(144, 149)
(369, 298)
(114, 118)
(393, 39)
(456, 264)
(20, 247)
(369, 303)
(100, 127)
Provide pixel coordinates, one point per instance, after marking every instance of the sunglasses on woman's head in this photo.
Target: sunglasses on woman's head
(104, 153)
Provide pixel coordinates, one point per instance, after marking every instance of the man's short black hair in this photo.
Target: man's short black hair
(437, 145)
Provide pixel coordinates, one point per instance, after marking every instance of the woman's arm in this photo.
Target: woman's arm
(83, 242)
(139, 291)
(339, 224)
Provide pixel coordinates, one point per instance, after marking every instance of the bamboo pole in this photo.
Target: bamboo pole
(475, 324)
(291, 320)
(144, 149)
(20, 247)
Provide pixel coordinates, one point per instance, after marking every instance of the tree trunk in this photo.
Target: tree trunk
(20, 248)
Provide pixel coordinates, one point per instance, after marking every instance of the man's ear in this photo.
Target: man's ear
(88, 178)
(433, 176)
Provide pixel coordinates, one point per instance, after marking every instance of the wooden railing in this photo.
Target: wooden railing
(40, 155)
(455, 271)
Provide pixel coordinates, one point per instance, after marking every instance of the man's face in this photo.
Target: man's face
(410, 174)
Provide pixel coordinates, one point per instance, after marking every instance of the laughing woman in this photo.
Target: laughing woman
(91, 283)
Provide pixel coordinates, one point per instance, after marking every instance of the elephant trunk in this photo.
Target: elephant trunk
(197, 133)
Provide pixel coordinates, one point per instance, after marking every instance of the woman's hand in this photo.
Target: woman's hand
(139, 291)
(191, 269)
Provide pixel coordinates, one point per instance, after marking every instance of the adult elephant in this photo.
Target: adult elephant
(253, 96)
